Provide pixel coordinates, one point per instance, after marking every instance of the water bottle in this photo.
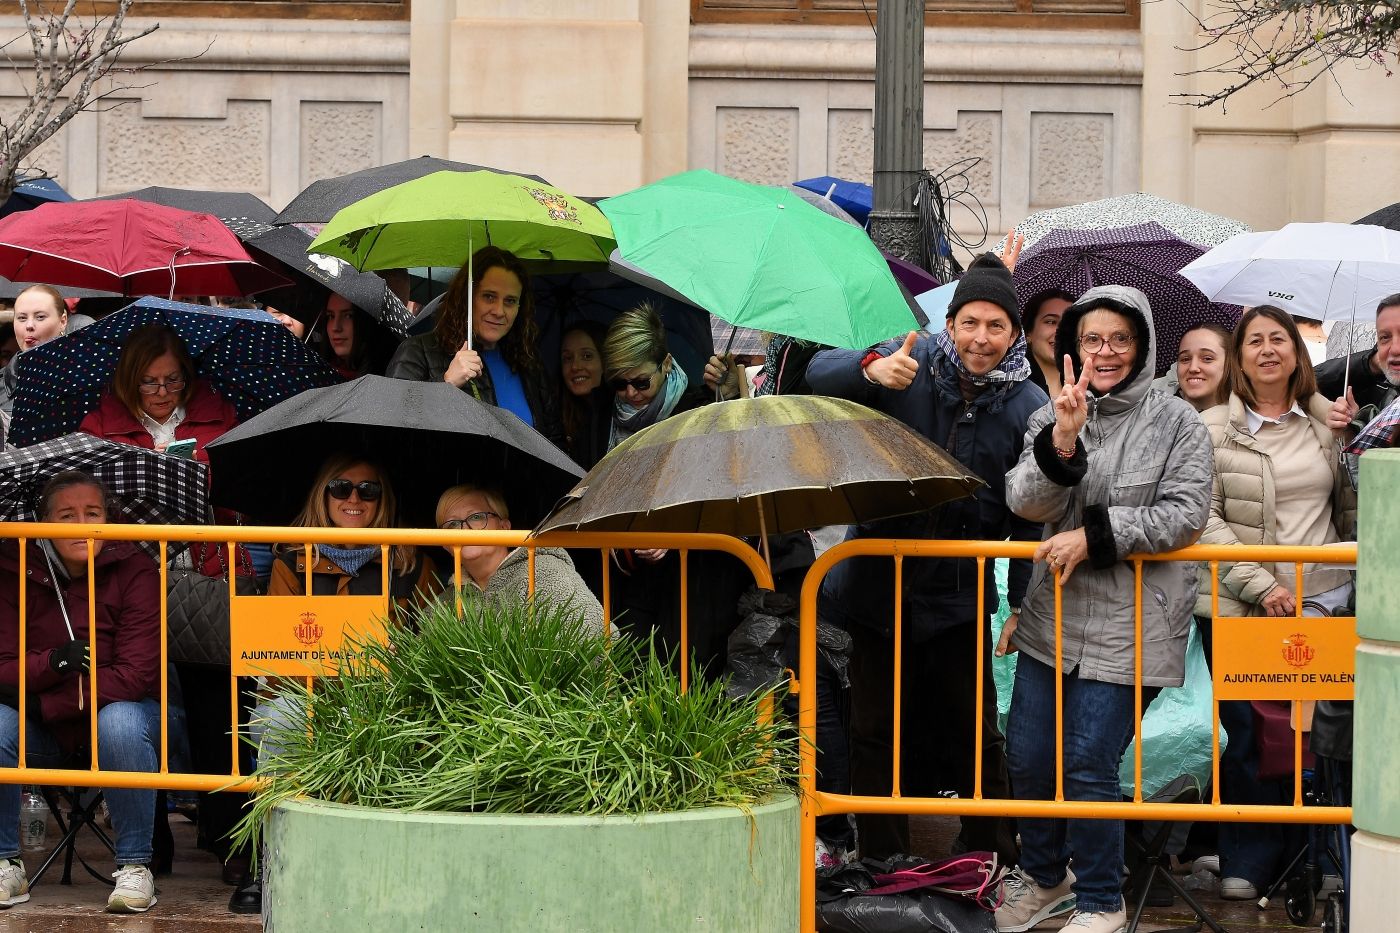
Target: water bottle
(33, 820)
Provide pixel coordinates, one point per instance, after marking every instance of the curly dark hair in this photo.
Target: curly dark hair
(518, 347)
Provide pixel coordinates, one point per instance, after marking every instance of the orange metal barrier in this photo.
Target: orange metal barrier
(246, 607)
(816, 803)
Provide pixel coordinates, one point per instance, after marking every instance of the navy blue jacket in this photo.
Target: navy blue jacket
(938, 592)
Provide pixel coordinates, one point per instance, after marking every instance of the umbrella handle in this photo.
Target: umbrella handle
(733, 329)
(471, 291)
(182, 251)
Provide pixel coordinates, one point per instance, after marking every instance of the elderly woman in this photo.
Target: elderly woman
(1278, 480)
(58, 664)
(502, 365)
(493, 572)
(1113, 468)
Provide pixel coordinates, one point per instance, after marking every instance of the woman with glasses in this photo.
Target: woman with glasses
(646, 383)
(486, 342)
(350, 492)
(1113, 468)
(495, 572)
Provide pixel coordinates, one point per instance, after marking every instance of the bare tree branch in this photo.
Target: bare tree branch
(1289, 43)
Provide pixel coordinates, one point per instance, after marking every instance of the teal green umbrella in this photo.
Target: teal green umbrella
(442, 218)
(760, 257)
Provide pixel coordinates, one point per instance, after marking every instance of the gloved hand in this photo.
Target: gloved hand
(72, 658)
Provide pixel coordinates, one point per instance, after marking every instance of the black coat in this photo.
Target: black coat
(986, 436)
(1368, 387)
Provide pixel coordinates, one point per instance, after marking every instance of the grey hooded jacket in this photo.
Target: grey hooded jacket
(1139, 482)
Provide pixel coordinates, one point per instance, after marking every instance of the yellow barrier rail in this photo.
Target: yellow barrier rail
(229, 537)
(817, 803)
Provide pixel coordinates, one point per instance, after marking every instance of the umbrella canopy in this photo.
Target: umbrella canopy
(805, 460)
(1324, 271)
(759, 257)
(9, 291)
(222, 204)
(248, 356)
(285, 248)
(29, 193)
(428, 435)
(1147, 257)
(1388, 217)
(1381, 432)
(853, 197)
(1128, 210)
(442, 218)
(743, 341)
(322, 199)
(131, 248)
(146, 487)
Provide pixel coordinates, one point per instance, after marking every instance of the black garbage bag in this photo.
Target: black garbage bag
(761, 647)
(843, 908)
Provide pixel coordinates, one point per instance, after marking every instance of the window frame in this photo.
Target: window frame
(384, 10)
(1023, 17)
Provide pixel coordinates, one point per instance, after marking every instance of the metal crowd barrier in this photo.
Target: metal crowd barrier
(1333, 637)
(249, 613)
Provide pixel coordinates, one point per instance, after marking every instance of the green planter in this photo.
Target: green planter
(339, 869)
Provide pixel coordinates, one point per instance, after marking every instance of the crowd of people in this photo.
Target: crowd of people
(1052, 404)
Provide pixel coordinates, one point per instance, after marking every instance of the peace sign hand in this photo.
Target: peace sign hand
(1071, 407)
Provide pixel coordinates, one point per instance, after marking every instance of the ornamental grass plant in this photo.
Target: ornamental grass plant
(516, 709)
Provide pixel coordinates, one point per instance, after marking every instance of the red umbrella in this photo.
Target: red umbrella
(130, 247)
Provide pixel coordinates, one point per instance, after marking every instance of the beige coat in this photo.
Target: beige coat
(1242, 503)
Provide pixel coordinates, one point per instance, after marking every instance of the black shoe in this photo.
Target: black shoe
(247, 897)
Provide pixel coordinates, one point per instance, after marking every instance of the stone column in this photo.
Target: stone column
(899, 125)
(1376, 765)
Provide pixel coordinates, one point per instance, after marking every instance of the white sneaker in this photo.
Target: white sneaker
(1238, 889)
(135, 892)
(1025, 903)
(1210, 863)
(14, 884)
(1083, 921)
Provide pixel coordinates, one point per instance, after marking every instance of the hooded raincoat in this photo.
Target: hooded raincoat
(1139, 482)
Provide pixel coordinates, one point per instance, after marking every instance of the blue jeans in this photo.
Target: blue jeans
(1098, 727)
(127, 738)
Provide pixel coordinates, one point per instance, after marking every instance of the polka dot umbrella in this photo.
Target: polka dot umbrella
(248, 356)
(1146, 256)
(1128, 210)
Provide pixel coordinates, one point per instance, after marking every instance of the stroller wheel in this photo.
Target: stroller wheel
(1301, 902)
(1333, 914)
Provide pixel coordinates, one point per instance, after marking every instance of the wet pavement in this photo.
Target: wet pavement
(191, 899)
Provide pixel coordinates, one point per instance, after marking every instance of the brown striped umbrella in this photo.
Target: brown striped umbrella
(763, 465)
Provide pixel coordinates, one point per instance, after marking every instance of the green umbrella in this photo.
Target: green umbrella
(760, 257)
(442, 218)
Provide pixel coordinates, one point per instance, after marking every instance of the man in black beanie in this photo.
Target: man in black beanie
(966, 388)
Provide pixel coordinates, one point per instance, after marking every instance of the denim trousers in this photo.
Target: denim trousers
(128, 734)
(1098, 722)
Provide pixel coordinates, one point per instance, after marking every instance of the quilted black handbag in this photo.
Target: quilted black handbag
(197, 610)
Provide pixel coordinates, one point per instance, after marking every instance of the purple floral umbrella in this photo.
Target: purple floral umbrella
(1146, 256)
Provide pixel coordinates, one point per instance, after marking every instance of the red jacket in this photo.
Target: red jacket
(208, 416)
(127, 653)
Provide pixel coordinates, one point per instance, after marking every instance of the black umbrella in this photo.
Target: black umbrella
(428, 435)
(146, 487)
(219, 203)
(286, 246)
(9, 291)
(1388, 217)
(321, 199)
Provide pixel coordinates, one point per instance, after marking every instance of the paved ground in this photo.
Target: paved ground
(194, 899)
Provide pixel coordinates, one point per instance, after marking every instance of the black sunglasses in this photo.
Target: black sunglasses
(369, 490)
(641, 383)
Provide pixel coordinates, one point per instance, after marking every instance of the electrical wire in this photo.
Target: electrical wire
(935, 194)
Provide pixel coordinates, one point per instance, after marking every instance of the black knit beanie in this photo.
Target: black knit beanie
(987, 279)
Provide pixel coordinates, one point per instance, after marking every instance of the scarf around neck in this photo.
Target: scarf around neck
(350, 559)
(628, 420)
(1014, 367)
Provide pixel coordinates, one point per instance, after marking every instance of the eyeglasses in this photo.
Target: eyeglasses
(170, 385)
(477, 521)
(641, 383)
(1093, 343)
(369, 490)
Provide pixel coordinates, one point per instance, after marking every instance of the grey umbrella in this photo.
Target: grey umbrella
(219, 203)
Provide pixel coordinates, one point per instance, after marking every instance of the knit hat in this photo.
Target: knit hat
(987, 279)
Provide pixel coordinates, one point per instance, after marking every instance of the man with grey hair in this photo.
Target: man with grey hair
(1371, 376)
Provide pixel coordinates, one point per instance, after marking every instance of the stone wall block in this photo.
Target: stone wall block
(231, 154)
(757, 144)
(339, 137)
(1070, 158)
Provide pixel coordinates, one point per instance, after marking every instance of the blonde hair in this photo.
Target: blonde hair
(315, 513)
(452, 496)
(59, 306)
(635, 337)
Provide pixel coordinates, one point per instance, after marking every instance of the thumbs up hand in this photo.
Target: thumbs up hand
(897, 370)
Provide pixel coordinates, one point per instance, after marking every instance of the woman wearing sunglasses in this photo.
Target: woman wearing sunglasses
(495, 572)
(646, 384)
(350, 492)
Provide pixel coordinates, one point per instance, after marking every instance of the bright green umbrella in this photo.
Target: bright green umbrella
(760, 257)
(442, 218)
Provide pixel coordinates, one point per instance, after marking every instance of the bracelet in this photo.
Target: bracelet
(1065, 454)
